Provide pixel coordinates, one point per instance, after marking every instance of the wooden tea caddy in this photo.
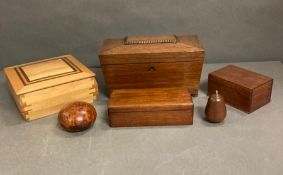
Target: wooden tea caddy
(137, 62)
(241, 88)
(43, 87)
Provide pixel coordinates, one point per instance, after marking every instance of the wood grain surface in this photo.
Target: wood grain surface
(152, 63)
(156, 106)
(153, 75)
(77, 116)
(42, 88)
(241, 88)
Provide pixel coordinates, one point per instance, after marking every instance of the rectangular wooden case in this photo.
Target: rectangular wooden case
(144, 107)
(43, 87)
(152, 62)
(241, 88)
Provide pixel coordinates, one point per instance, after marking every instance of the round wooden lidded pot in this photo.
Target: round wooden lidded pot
(215, 110)
(77, 116)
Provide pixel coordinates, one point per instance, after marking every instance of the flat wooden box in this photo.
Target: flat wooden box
(43, 87)
(241, 88)
(152, 62)
(150, 107)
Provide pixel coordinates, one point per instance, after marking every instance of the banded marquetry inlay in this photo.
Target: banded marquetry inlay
(45, 70)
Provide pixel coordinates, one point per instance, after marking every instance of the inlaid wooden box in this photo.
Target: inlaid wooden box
(152, 62)
(241, 88)
(150, 107)
(44, 87)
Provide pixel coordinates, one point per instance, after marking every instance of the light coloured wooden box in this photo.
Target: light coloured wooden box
(43, 87)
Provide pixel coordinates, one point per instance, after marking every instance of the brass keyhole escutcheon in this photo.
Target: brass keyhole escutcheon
(151, 69)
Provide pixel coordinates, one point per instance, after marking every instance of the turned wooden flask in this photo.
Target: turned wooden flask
(215, 110)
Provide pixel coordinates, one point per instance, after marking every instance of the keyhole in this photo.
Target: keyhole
(151, 69)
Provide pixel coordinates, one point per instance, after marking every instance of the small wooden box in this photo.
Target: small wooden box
(152, 62)
(241, 88)
(42, 88)
(144, 107)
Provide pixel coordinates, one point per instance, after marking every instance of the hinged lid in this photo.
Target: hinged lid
(46, 73)
(155, 99)
(241, 77)
(160, 48)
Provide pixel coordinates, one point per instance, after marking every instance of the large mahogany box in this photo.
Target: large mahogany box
(241, 88)
(145, 107)
(152, 62)
(44, 87)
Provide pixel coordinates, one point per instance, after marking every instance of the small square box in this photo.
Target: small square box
(149, 107)
(241, 88)
(43, 87)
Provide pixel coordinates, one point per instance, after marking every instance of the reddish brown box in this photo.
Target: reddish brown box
(144, 107)
(241, 88)
(138, 62)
